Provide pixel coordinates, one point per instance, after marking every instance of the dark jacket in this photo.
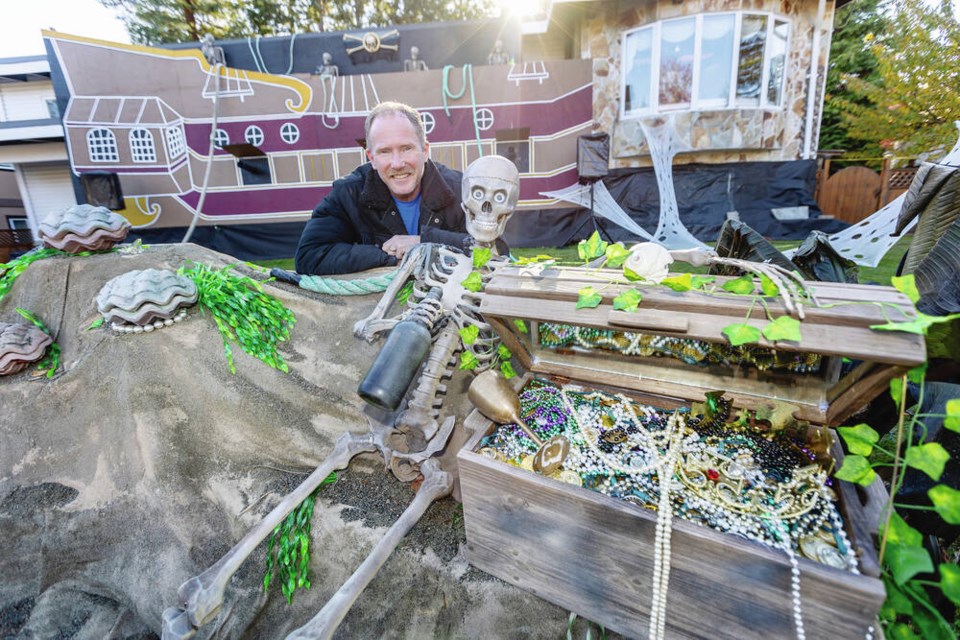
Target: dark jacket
(350, 225)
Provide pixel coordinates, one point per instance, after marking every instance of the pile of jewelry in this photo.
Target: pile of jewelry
(689, 351)
(725, 475)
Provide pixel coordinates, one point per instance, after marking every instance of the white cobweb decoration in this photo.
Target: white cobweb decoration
(867, 241)
(601, 203)
(664, 144)
(670, 233)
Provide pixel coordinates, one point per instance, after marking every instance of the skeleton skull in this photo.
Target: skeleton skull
(491, 188)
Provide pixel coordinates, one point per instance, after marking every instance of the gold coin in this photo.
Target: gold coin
(493, 454)
(809, 547)
(527, 463)
(831, 557)
(571, 477)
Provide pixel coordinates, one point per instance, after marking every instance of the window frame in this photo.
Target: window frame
(289, 133)
(696, 103)
(103, 147)
(176, 142)
(253, 131)
(139, 146)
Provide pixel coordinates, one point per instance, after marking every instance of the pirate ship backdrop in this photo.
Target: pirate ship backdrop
(243, 138)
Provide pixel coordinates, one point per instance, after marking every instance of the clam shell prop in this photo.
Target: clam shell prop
(147, 299)
(20, 345)
(83, 228)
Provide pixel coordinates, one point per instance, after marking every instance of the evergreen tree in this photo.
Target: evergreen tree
(851, 55)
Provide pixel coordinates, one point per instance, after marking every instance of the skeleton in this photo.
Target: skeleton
(490, 192)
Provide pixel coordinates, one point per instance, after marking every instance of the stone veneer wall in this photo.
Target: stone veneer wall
(727, 135)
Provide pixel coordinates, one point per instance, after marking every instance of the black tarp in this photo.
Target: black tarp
(705, 193)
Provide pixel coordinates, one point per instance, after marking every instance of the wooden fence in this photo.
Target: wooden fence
(853, 193)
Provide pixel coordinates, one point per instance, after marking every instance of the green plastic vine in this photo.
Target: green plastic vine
(288, 551)
(50, 362)
(9, 271)
(244, 314)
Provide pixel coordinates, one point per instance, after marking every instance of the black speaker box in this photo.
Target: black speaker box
(593, 156)
(102, 189)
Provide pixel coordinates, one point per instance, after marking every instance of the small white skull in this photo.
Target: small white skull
(490, 190)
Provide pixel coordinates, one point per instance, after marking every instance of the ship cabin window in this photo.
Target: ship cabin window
(255, 170)
(102, 146)
(253, 135)
(142, 148)
(289, 133)
(484, 119)
(221, 138)
(429, 122)
(706, 61)
(176, 146)
(514, 145)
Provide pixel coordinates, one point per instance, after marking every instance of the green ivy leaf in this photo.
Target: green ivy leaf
(768, 287)
(742, 286)
(906, 561)
(930, 458)
(616, 254)
(473, 282)
(507, 370)
(900, 631)
(917, 374)
(932, 625)
(682, 282)
(897, 600)
(632, 275)
(481, 256)
(741, 333)
(700, 282)
(503, 352)
(468, 361)
(906, 285)
(469, 334)
(588, 298)
(946, 502)
(899, 532)
(520, 325)
(896, 390)
(783, 328)
(950, 581)
(592, 247)
(860, 438)
(627, 301)
(96, 324)
(952, 421)
(528, 260)
(919, 326)
(856, 469)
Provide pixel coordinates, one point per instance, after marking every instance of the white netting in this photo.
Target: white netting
(602, 204)
(664, 144)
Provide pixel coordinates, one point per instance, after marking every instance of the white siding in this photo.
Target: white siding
(46, 188)
(25, 101)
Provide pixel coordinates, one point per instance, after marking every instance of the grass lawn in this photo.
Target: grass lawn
(880, 274)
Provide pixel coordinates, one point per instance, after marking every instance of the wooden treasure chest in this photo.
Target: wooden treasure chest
(751, 537)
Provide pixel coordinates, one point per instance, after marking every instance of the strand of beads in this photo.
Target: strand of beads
(147, 328)
(661, 564)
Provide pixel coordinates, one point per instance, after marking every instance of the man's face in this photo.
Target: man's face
(394, 151)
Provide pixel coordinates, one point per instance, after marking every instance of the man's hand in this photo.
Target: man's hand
(397, 246)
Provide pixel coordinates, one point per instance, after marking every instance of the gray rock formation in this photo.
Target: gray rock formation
(143, 461)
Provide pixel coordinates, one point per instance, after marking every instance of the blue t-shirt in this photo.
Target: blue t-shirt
(410, 213)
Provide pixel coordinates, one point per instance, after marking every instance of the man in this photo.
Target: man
(384, 208)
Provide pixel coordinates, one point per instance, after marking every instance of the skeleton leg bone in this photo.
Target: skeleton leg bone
(201, 596)
(436, 484)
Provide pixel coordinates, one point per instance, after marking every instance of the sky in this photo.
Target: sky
(20, 36)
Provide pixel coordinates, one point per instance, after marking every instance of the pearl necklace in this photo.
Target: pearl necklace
(126, 327)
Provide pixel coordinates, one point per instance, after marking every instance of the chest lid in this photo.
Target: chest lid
(673, 346)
